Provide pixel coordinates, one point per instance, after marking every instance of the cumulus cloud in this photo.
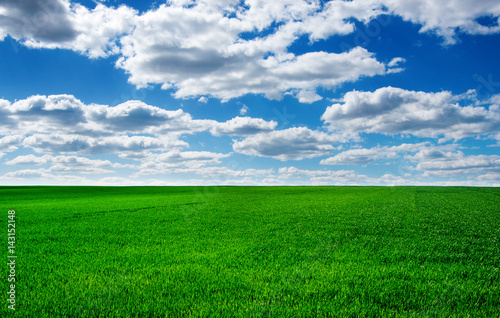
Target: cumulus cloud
(40, 114)
(226, 49)
(125, 146)
(446, 17)
(442, 163)
(48, 21)
(289, 144)
(43, 113)
(194, 69)
(69, 161)
(308, 96)
(138, 117)
(425, 160)
(132, 129)
(243, 110)
(44, 176)
(338, 177)
(489, 177)
(159, 163)
(217, 174)
(363, 156)
(197, 49)
(28, 174)
(242, 126)
(313, 19)
(9, 143)
(100, 29)
(394, 111)
(152, 164)
(61, 24)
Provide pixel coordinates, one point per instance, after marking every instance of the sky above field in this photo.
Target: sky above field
(284, 92)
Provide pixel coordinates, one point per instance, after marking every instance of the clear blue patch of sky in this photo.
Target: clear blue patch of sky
(205, 141)
(475, 146)
(26, 72)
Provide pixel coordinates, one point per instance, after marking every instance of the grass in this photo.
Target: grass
(254, 251)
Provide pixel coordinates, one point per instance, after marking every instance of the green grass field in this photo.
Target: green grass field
(253, 251)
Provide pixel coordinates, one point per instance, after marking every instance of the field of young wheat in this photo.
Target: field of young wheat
(252, 251)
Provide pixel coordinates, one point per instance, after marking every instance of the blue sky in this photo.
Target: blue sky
(254, 92)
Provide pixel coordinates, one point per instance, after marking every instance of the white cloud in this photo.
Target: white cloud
(133, 128)
(28, 174)
(243, 110)
(308, 96)
(242, 126)
(138, 117)
(41, 114)
(495, 99)
(156, 163)
(9, 143)
(396, 61)
(394, 111)
(392, 65)
(43, 177)
(489, 177)
(121, 181)
(452, 164)
(333, 19)
(100, 29)
(289, 144)
(199, 50)
(46, 177)
(211, 174)
(293, 175)
(363, 156)
(125, 146)
(216, 48)
(47, 21)
(426, 161)
(60, 24)
(222, 174)
(76, 170)
(230, 48)
(338, 177)
(191, 58)
(446, 17)
(69, 161)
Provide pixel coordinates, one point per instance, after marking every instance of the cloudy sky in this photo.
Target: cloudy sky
(254, 92)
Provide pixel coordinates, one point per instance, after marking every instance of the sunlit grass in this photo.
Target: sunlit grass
(255, 251)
